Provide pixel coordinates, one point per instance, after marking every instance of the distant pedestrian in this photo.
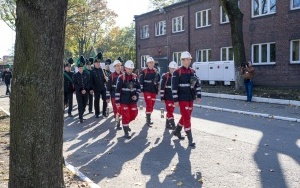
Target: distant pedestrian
(166, 95)
(127, 94)
(6, 77)
(248, 73)
(68, 87)
(185, 89)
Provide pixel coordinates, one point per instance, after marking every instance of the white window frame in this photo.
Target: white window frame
(260, 54)
(179, 21)
(177, 57)
(227, 53)
(291, 52)
(260, 8)
(221, 16)
(207, 13)
(158, 26)
(144, 61)
(200, 53)
(292, 3)
(144, 32)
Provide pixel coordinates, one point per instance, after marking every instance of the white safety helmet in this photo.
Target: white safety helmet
(173, 65)
(129, 64)
(116, 62)
(149, 59)
(186, 55)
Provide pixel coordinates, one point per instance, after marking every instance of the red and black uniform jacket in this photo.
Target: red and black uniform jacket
(181, 86)
(111, 85)
(149, 80)
(123, 93)
(165, 87)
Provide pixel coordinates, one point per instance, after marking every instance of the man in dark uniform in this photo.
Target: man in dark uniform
(6, 77)
(90, 95)
(127, 94)
(68, 87)
(82, 85)
(107, 67)
(98, 84)
(149, 80)
(185, 88)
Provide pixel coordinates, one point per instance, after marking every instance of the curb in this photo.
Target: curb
(71, 168)
(255, 99)
(81, 175)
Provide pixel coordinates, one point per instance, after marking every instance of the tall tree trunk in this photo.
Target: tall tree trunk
(236, 23)
(36, 104)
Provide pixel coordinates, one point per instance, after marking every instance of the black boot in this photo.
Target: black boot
(168, 126)
(148, 120)
(177, 132)
(190, 137)
(118, 125)
(125, 128)
(172, 123)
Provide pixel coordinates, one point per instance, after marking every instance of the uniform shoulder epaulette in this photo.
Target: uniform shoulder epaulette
(193, 70)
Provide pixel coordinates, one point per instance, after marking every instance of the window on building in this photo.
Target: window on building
(203, 55)
(226, 54)
(144, 60)
(223, 16)
(264, 53)
(295, 51)
(295, 4)
(144, 32)
(177, 24)
(160, 28)
(177, 57)
(263, 7)
(203, 18)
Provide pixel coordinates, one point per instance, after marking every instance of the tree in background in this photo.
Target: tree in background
(87, 22)
(236, 23)
(156, 4)
(36, 104)
(120, 42)
(8, 12)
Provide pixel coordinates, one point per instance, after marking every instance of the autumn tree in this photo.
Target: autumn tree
(8, 12)
(119, 42)
(87, 22)
(156, 4)
(36, 106)
(236, 23)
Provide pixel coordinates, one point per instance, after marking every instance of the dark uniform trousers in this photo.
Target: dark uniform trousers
(68, 100)
(97, 101)
(90, 99)
(81, 101)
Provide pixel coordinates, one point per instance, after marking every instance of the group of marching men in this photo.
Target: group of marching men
(178, 88)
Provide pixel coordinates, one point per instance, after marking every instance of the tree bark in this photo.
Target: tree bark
(36, 104)
(236, 23)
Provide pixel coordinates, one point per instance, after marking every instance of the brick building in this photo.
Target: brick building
(271, 36)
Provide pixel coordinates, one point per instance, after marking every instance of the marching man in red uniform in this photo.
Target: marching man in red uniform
(127, 94)
(166, 95)
(185, 88)
(149, 80)
(111, 90)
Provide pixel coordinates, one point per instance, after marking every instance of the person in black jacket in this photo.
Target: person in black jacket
(6, 77)
(166, 95)
(82, 85)
(98, 82)
(90, 94)
(185, 89)
(68, 87)
(127, 95)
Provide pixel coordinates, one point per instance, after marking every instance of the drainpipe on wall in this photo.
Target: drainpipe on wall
(189, 32)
